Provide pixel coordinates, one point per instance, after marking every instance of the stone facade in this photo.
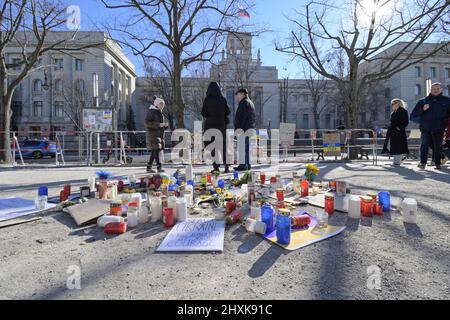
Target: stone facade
(52, 96)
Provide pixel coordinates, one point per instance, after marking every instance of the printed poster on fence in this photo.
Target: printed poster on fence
(287, 134)
(201, 234)
(331, 144)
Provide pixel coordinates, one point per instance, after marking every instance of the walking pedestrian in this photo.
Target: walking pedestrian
(155, 125)
(433, 112)
(396, 133)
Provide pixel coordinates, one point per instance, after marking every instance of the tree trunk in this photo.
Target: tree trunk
(5, 139)
(178, 107)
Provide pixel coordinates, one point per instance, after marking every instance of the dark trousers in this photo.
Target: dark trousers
(154, 156)
(431, 140)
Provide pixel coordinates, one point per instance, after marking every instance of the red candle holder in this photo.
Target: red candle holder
(262, 177)
(366, 206)
(304, 188)
(329, 204)
(280, 194)
(168, 218)
(333, 186)
(378, 209)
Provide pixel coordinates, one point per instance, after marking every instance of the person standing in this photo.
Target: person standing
(245, 119)
(396, 133)
(215, 112)
(433, 112)
(155, 125)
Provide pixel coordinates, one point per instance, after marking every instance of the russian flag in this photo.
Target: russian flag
(243, 13)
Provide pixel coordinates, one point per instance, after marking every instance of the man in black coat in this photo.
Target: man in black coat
(245, 119)
(433, 112)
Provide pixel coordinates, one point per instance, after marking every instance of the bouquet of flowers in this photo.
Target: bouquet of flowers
(311, 172)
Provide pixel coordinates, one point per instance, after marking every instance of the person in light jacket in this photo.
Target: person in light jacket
(155, 125)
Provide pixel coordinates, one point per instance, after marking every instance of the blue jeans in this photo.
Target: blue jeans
(431, 140)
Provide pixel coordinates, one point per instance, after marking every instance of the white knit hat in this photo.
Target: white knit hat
(158, 101)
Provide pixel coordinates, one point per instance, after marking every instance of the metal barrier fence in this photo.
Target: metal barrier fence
(129, 147)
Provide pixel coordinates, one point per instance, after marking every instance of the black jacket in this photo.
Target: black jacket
(397, 132)
(435, 118)
(245, 115)
(215, 111)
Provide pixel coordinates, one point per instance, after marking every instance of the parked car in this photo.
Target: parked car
(37, 149)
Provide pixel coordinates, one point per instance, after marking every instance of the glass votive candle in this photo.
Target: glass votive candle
(329, 203)
(283, 228)
(384, 198)
(267, 217)
(280, 194)
(377, 209)
(366, 206)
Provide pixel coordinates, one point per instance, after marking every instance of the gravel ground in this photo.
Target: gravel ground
(413, 259)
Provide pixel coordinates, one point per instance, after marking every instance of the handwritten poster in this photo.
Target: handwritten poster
(287, 134)
(201, 234)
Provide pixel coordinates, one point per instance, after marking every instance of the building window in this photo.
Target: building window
(37, 109)
(58, 64)
(447, 90)
(79, 86)
(447, 73)
(327, 121)
(387, 113)
(433, 72)
(418, 71)
(16, 108)
(59, 109)
(363, 117)
(37, 85)
(418, 90)
(79, 64)
(58, 85)
(16, 64)
(374, 115)
(305, 97)
(230, 98)
(305, 121)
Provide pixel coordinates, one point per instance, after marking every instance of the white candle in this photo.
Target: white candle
(181, 209)
(172, 203)
(143, 214)
(156, 208)
(409, 210)
(91, 183)
(354, 207)
(255, 226)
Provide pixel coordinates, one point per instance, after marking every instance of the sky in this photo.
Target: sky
(266, 13)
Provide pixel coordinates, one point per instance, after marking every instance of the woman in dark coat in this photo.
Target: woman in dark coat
(396, 133)
(215, 112)
(155, 125)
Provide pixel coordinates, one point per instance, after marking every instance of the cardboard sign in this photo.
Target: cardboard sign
(331, 144)
(287, 134)
(202, 234)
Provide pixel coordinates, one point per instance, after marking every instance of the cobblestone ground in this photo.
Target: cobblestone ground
(414, 260)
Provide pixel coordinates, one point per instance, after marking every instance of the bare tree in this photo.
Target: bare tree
(188, 31)
(26, 24)
(320, 89)
(158, 83)
(76, 98)
(359, 49)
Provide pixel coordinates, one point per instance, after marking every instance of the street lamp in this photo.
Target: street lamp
(48, 85)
